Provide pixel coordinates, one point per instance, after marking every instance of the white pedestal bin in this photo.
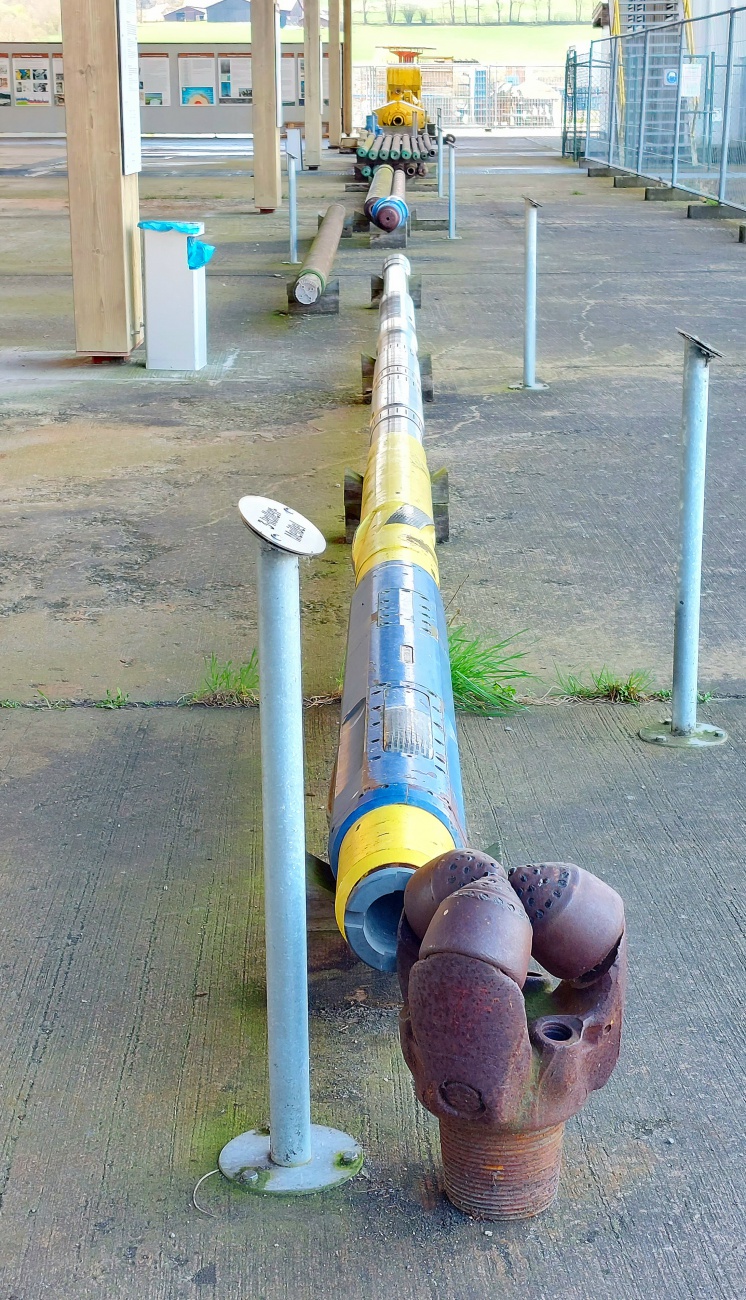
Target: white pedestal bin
(175, 296)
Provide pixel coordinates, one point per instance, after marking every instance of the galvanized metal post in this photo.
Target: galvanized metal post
(440, 153)
(294, 1156)
(451, 189)
(529, 297)
(643, 101)
(725, 141)
(612, 98)
(293, 207)
(683, 728)
(677, 114)
(588, 102)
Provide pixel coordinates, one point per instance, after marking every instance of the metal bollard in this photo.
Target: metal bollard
(440, 154)
(683, 729)
(529, 306)
(293, 208)
(295, 1156)
(450, 141)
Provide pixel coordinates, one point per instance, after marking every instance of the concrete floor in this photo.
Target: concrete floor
(133, 996)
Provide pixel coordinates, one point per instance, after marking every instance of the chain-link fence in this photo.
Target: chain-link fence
(668, 102)
(525, 98)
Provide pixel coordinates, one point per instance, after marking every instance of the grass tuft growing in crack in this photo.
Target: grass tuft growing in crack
(224, 685)
(636, 688)
(483, 673)
(113, 700)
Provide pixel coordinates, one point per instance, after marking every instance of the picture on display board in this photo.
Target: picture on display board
(58, 81)
(155, 81)
(197, 80)
(287, 77)
(5, 97)
(31, 76)
(234, 79)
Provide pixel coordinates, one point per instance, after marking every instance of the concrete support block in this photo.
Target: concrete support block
(596, 170)
(667, 194)
(428, 223)
(388, 238)
(742, 234)
(713, 212)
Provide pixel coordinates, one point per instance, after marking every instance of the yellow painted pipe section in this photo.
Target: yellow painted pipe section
(398, 834)
(396, 471)
(377, 542)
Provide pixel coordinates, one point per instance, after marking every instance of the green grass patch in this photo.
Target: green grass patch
(484, 673)
(635, 688)
(113, 700)
(224, 685)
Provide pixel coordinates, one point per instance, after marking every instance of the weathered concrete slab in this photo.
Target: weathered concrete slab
(133, 1031)
(714, 212)
(667, 194)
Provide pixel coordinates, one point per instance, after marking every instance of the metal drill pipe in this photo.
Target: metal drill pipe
(383, 152)
(319, 260)
(397, 783)
(375, 147)
(391, 212)
(362, 149)
(379, 188)
(406, 147)
(395, 152)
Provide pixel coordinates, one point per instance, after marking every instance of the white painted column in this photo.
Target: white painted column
(335, 75)
(312, 64)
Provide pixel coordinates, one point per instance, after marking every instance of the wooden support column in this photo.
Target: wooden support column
(335, 75)
(312, 66)
(104, 202)
(264, 57)
(347, 70)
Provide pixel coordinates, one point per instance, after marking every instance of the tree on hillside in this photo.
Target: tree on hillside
(514, 11)
(29, 19)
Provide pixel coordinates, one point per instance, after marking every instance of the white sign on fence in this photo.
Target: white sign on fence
(691, 80)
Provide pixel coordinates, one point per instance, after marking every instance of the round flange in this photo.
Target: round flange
(702, 737)
(529, 388)
(336, 1157)
(281, 526)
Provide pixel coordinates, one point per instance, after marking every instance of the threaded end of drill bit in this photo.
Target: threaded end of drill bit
(500, 1175)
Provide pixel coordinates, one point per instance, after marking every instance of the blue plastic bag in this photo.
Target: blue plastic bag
(198, 253)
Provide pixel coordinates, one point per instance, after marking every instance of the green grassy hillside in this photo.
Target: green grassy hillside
(519, 43)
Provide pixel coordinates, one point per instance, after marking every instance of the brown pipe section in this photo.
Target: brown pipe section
(319, 260)
(380, 186)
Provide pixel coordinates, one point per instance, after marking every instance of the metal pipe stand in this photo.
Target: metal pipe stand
(293, 1156)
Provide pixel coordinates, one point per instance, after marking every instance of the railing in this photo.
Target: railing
(668, 102)
(527, 99)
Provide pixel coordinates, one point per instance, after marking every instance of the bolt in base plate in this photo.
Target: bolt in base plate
(702, 736)
(336, 1157)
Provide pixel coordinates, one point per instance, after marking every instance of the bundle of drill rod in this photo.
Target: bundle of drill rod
(385, 203)
(391, 148)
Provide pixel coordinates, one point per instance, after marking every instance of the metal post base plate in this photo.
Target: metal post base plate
(529, 388)
(701, 737)
(336, 1157)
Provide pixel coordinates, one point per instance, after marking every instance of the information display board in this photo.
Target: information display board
(31, 79)
(234, 79)
(58, 81)
(287, 77)
(155, 81)
(5, 96)
(129, 82)
(197, 80)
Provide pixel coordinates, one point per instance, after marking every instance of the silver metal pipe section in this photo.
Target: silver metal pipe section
(451, 189)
